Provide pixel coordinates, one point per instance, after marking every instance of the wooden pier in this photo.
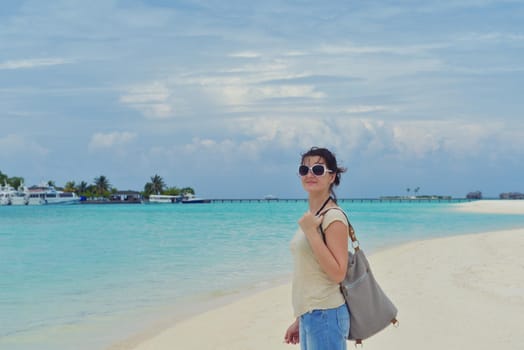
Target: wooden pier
(345, 200)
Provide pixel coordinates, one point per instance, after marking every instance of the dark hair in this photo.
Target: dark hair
(331, 163)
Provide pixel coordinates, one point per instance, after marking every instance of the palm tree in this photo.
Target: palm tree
(407, 190)
(69, 186)
(15, 181)
(172, 191)
(416, 190)
(3, 178)
(187, 190)
(102, 185)
(148, 189)
(157, 184)
(82, 187)
(91, 191)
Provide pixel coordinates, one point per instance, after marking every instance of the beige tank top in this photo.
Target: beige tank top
(311, 288)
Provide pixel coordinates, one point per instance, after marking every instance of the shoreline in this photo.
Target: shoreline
(186, 313)
(447, 290)
(450, 298)
(499, 206)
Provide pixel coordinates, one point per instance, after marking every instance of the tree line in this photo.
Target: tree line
(101, 186)
(14, 181)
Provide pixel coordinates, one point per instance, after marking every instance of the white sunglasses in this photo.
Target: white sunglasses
(317, 170)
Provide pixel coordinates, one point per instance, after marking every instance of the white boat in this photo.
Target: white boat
(164, 198)
(5, 197)
(270, 197)
(185, 199)
(10, 196)
(190, 198)
(45, 194)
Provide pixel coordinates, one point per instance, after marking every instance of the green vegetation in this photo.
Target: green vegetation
(158, 186)
(101, 186)
(14, 181)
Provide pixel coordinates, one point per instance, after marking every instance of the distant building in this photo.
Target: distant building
(511, 195)
(126, 196)
(474, 195)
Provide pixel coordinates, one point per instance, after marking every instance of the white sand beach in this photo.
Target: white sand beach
(493, 206)
(464, 292)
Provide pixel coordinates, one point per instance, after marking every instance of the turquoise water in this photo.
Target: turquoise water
(87, 276)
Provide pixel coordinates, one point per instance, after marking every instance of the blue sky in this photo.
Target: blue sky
(224, 96)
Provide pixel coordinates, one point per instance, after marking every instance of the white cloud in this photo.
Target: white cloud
(209, 145)
(490, 36)
(151, 99)
(256, 72)
(458, 139)
(13, 145)
(245, 94)
(294, 53)
(353, 49)
(33, 63)
(290, 133)
(103, 141)
(361, 137)
(245, 54)
(253, 82)
(199, 152)
(364, 109)
(244, 86)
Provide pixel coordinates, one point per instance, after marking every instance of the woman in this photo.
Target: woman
(322, 318)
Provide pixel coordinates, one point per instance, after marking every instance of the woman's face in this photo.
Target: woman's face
(316, 183)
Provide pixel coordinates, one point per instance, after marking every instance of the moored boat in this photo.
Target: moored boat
(44, 194)
(186, 198)
(10, 196)
(270, 197)
(5, 198)
(164, 198)
(191, 199)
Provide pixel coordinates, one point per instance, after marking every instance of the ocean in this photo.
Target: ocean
(89, 276)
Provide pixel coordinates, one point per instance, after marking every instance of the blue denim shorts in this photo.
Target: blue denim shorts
(324, 329)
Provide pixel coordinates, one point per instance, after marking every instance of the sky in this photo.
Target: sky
(224, 96)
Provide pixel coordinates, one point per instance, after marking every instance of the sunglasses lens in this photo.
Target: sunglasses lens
(303, 170)
(318, 170)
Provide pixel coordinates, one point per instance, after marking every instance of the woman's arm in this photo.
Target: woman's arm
(332, 256)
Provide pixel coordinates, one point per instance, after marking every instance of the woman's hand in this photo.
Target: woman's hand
(309, 223)
(292, 333)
